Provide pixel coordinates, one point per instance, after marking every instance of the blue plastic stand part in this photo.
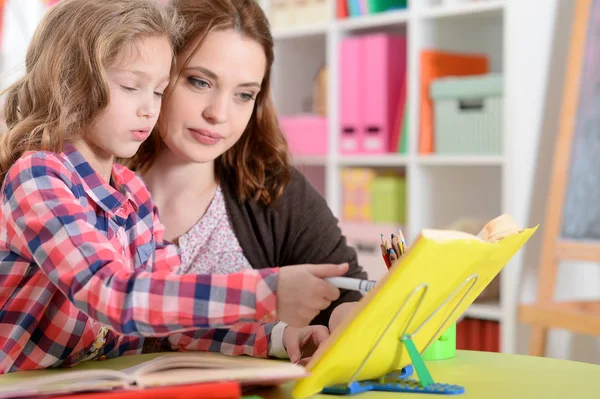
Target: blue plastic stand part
(363, 386)
(394, 382)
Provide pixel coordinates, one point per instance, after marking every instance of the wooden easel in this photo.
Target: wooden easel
(580, 317)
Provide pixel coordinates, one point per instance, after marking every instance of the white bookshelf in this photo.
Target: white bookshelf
(441, 189)
(377, 21)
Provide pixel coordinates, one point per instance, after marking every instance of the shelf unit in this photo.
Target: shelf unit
(441, 189)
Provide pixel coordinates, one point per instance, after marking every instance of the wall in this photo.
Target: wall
(20, 20)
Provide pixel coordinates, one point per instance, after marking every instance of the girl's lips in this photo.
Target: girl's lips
(140, 135)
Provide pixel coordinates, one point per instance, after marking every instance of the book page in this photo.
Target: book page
(195, 367)
(200, 360)
(245, 375)
(448, 235)
(495, 230)
(67, 382)
(499, 228)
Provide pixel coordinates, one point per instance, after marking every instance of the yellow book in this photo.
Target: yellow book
(426, 291)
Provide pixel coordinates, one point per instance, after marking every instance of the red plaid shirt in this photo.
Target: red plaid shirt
(76, 254)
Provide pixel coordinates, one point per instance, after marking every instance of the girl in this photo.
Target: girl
(84, 272)
(239, 201)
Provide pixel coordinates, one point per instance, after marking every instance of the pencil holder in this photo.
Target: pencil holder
(444, 347)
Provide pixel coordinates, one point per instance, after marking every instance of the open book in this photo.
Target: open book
(423, 293)
(149, 371)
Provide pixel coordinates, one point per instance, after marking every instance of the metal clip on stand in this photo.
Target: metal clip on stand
(398, 381)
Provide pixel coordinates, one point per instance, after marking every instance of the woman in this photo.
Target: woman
(238, 201)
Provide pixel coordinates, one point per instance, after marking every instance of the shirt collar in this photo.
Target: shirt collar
(105, 195)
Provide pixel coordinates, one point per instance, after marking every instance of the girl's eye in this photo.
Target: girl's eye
(246, 96)
(199, 83)
(159, 94)
(127, 88)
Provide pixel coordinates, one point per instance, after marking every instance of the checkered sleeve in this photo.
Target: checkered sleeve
(167, 256)
(47, 223)
(250, 339)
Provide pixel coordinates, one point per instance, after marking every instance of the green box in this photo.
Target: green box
(388, 199)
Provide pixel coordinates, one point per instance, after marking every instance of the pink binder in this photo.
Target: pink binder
(382, 80)
(350, 95)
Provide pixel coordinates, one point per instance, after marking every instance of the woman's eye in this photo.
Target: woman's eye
(159, 94)
(199, 83)
(246, 96)
(127, 88)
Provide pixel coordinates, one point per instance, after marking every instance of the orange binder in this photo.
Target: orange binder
(436, 64)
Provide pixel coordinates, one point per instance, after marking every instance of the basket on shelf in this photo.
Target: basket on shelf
(293, 13)
(468, 114)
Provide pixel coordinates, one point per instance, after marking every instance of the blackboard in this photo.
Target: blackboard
(581, 212)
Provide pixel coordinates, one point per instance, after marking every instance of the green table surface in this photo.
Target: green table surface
(493, 376)
(484, 375)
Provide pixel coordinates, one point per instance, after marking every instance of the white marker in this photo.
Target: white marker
(354, 284)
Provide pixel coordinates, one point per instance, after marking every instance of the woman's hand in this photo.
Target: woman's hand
(302, 293)
(301, 343)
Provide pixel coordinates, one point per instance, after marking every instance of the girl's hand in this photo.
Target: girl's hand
(301, 343)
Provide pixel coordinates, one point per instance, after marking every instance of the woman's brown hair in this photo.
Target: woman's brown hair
(259, 163)
(64, 86)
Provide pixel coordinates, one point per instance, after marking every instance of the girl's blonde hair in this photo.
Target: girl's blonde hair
(64, 87)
